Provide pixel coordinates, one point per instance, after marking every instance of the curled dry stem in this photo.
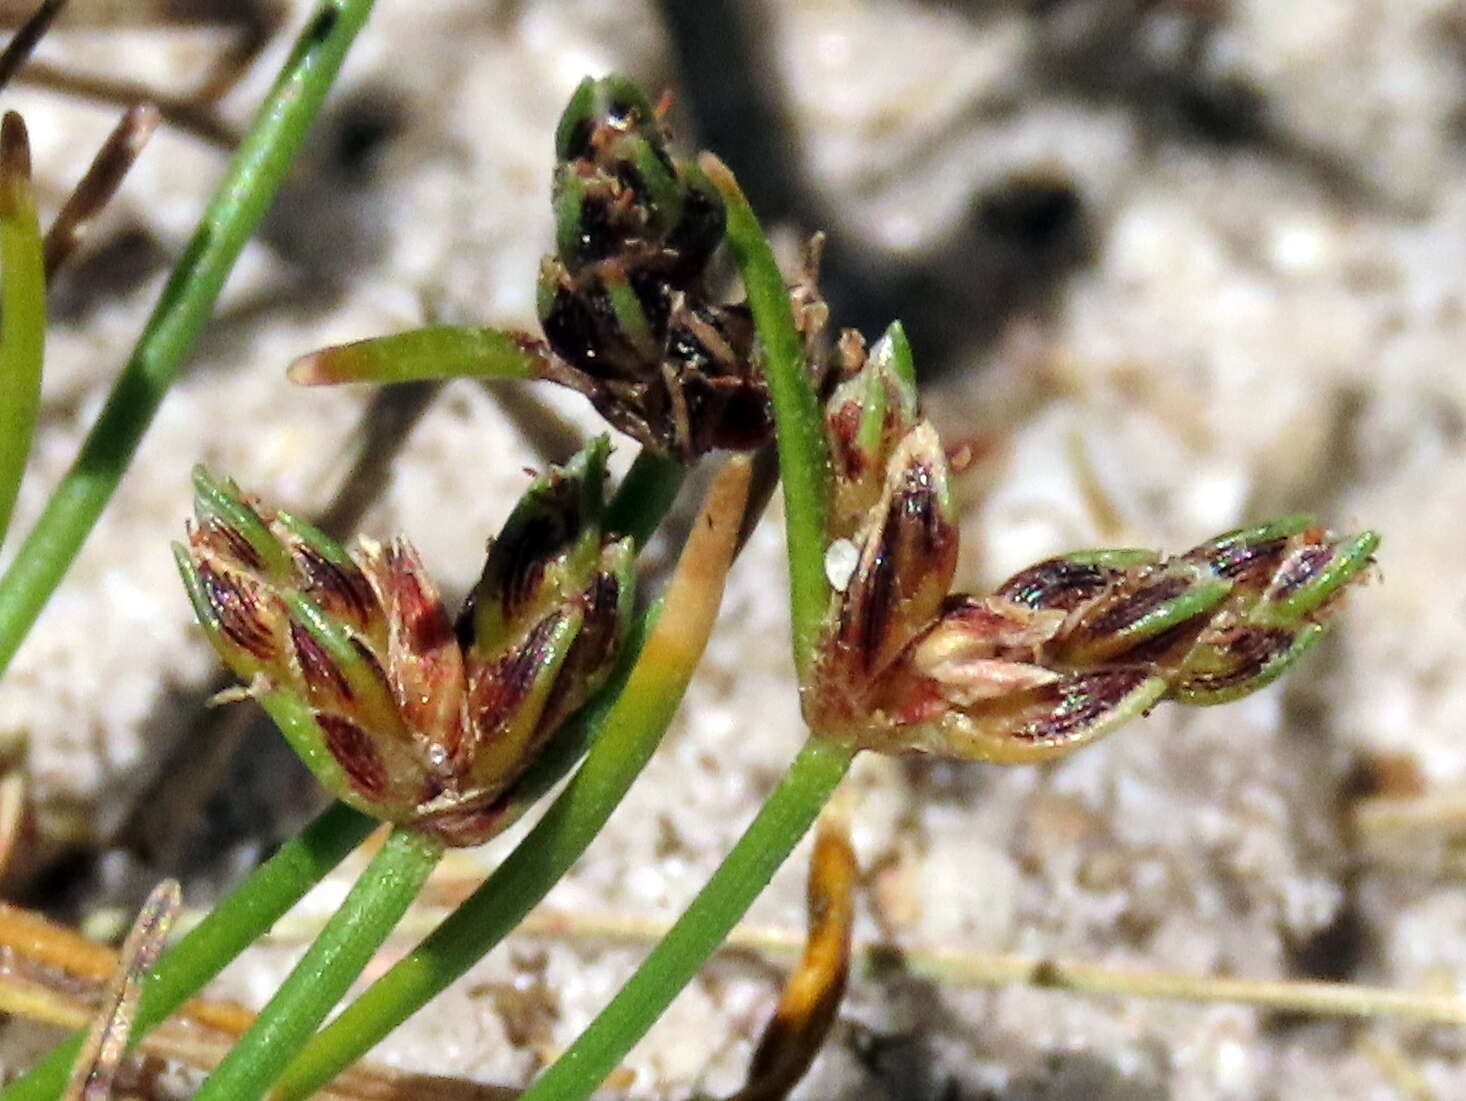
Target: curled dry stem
(811, 999)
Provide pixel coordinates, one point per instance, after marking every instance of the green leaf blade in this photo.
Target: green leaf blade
(22, 312)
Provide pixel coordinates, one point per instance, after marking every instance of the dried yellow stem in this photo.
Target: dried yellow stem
(812, 994)
(199, 1037)
(37, 946)
(690, 605)
(1437, 811)
(14, 799)
(962, 967)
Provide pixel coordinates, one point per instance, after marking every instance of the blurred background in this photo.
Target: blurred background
(1168, 266)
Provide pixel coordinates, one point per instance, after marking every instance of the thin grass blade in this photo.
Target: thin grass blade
(184, 307)
(22, 312)
(437, 352)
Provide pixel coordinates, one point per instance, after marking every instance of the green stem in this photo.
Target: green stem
(261, 162)
(345, 946)
(645, 495)
(804, 458)
(767, 843)
(22, 312)
(620, 749)
(260, 901)
(804, 469)
(277, 885)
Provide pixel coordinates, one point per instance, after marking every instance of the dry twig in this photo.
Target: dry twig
(101, 181)
(48, 974)
(106, 1041)
(812, 994)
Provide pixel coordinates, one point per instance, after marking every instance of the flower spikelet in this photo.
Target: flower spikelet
(1062, 652)
(398, 710)
(623, 302)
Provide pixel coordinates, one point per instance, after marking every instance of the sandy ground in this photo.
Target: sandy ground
(1172, 266)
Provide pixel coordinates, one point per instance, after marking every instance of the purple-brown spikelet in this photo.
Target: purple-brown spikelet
(624, 301)
(396, 710)
(1065, 650)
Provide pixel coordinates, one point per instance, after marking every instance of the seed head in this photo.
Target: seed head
(1062, 652)
(398, 711)
(624, 303)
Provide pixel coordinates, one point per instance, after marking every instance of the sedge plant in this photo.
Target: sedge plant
(448, 728)
(40, 563)
(889, 660)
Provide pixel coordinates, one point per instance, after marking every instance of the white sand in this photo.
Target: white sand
(1269, 325)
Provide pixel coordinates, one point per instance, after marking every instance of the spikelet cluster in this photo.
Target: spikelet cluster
(624, 301)
(399, 710)
(1064, 651)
